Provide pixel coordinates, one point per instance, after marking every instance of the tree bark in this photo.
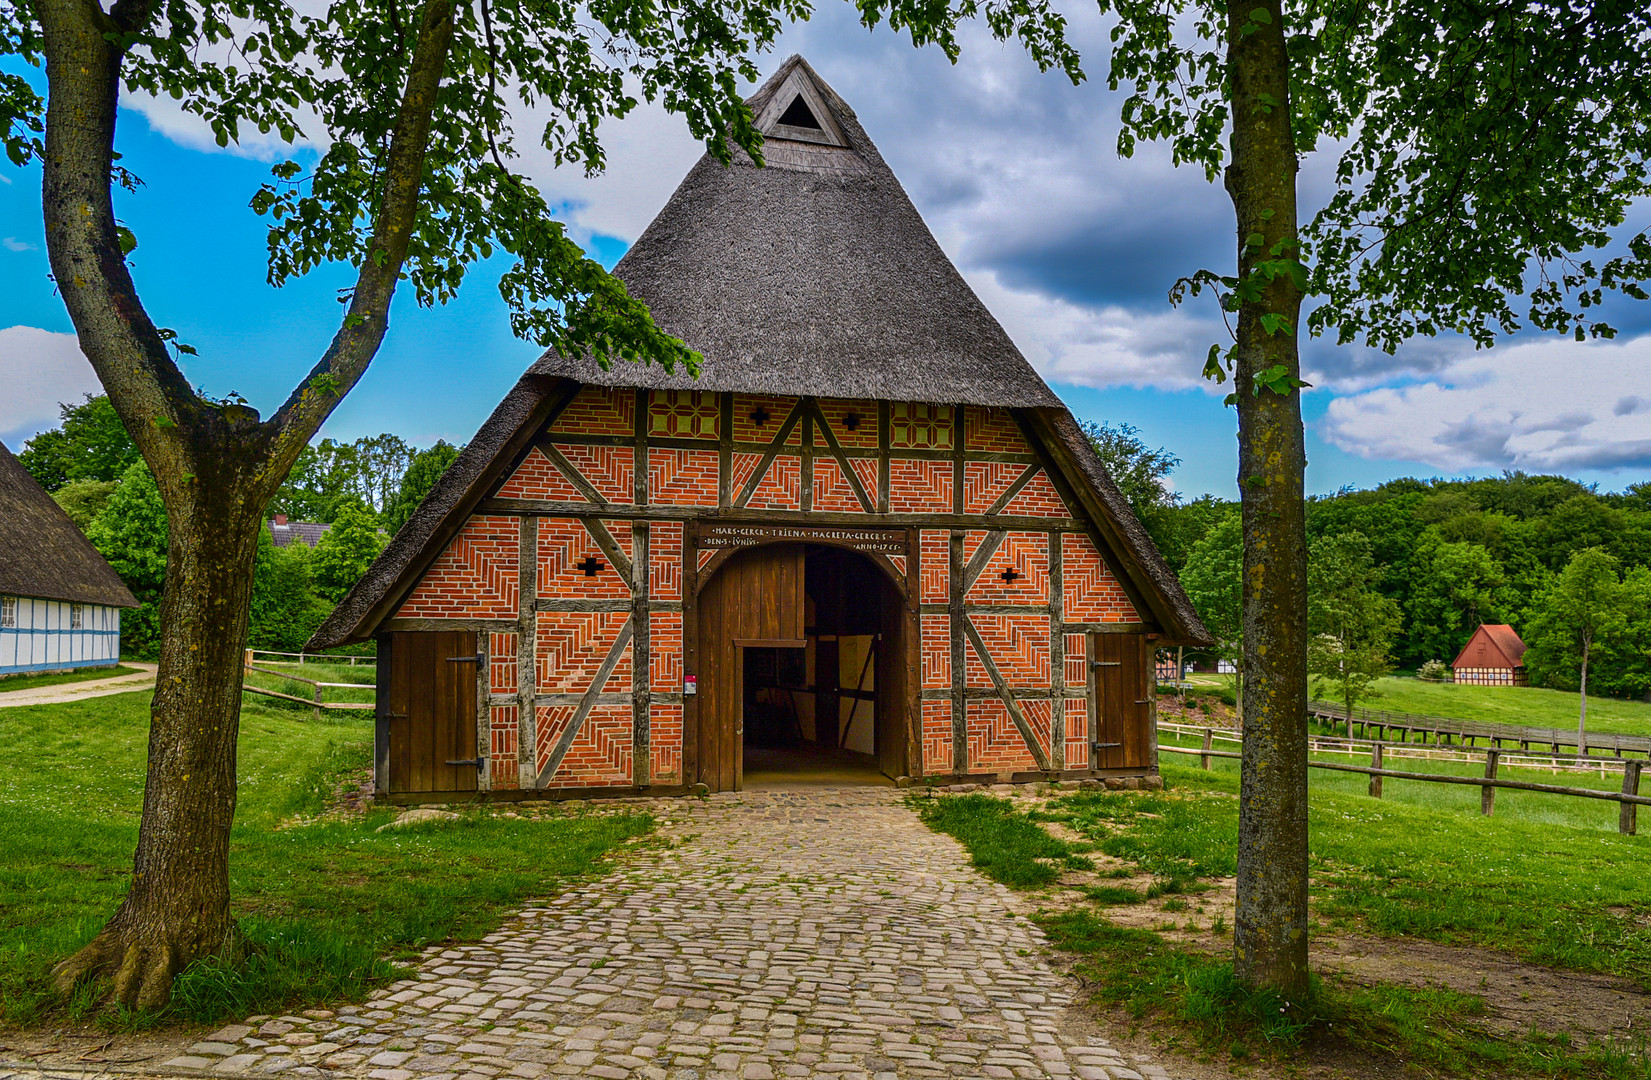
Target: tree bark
(178, 908)
(1270, 924)
(216, 466)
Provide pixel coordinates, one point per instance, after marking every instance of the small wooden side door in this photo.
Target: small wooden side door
(433, 709)
(1121, 686)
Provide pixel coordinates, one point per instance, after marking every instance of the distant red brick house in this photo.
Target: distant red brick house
(285, 533)
(1493, 656)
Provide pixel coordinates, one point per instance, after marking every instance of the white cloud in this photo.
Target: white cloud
(39, 369)
(12, 243)
(1542, 405)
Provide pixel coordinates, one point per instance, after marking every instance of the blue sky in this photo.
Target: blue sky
(1073, 249)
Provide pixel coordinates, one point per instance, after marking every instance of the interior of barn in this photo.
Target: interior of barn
(811, 714)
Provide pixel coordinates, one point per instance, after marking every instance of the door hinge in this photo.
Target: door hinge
(392, 716)
(477, 659)
(1106, 663)
(477, 762)
(1103, 745)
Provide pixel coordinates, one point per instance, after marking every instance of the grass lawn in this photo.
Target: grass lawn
(1554, 895)
(328, 905)
(56, 678)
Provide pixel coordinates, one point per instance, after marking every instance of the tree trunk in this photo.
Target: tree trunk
(178, 908)
(1270, 924)
(1582, 715)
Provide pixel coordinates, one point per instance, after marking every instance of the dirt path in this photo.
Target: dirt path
(76, 691)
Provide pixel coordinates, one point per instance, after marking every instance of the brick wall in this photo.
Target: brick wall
(477, 575)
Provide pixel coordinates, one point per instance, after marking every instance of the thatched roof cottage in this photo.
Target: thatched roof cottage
(867, 541)
(59, 600)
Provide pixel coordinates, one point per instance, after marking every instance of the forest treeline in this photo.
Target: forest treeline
(1424, 562)
(365, 490)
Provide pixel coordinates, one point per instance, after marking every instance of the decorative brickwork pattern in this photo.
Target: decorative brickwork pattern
(665, 553)
(937, 652)
(937, 737)
(994, 741)
(600, 754)
(1077, 733)
(1038, 499)
(899, 562)
(703, 557)
(682, 477)
(935, 574)
(1077, 661)
(1092, 593)
(599, 410)
(919, 487)
(781, 487)
(740, 471)
(572, 646)
(1019, 645)
(1027, 555)
(610, 469)
(665, 651)
(501, 663)
(665, 723)
(917, 426)
(503, 733)
(832, 491)
(1038, 712)
(774, 411)
(537, 478)
(549, 722)
(475, 578)
(837, 413)
(565, 548)
(683, 414)
(985, 481)
(994, 430)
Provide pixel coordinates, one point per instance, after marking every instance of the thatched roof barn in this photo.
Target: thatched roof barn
(60, 600)
(866, 470)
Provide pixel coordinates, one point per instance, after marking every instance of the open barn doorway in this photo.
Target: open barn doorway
(803, 673)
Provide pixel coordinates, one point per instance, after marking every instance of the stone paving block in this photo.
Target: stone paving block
(783, 934)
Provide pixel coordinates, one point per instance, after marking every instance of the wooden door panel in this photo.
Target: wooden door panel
(1120, 684)
(433, 697)
(755, 595)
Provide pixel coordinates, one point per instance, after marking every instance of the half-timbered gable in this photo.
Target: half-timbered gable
(871, 531)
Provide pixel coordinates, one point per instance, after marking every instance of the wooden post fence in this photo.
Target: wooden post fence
(1209, 741)
(1627, 823)
(1376, 777)
(1487, 794)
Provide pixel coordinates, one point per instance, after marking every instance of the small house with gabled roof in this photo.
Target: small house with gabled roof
(1493, 656)
(60, 601)
(867, 540)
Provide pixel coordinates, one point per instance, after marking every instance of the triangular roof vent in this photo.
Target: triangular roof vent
(797, 110)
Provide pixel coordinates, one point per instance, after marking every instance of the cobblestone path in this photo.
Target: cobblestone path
(821, 933)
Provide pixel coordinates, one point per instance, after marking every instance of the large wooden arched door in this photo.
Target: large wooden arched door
(755, 598)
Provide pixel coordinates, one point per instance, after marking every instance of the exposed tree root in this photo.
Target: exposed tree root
(140, 971)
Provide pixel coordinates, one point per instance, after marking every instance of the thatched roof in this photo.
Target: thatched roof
(42, 553)
(814, 275)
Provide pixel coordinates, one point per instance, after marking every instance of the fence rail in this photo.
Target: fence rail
(316, 701)
(1470, 732)
(312, 658)
(1629, 798)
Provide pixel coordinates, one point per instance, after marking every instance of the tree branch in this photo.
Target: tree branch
(367, 319)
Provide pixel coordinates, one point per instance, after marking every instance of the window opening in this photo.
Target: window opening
(77, 617)
(798, 114)
(8, 611)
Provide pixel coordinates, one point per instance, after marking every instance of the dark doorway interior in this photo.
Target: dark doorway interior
(829, 712)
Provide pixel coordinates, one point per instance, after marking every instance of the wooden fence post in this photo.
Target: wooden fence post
(1376, 763)
(1487, 794)
(318, 701)
(1627, 823)
(1204, 758)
